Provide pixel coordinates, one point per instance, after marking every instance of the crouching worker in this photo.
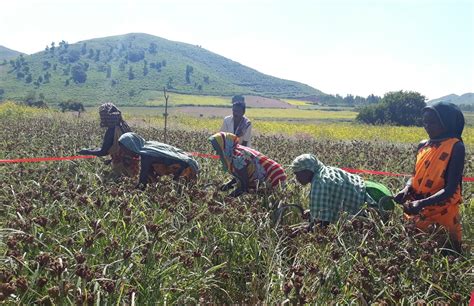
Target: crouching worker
(158, 159)
(334, 190)
(250, 168)
(111, 118)
(432, 196)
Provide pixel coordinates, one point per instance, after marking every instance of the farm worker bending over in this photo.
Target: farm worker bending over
(111, 118)
(238, 124)
(433, 194)
(334, 190)
(250, 168)
(158, 159)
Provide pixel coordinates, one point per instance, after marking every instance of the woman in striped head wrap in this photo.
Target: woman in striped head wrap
(111, 118)
(250, 168)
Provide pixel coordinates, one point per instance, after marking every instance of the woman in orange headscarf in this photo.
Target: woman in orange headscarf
(433, 194)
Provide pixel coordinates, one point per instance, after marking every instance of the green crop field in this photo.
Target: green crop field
(72, 235)
(297, 102)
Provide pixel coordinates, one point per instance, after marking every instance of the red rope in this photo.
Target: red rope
(203, 155)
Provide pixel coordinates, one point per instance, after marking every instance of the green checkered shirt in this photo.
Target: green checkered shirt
(334, 190)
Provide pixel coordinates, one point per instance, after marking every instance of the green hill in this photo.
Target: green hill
(7, 54)
(465, 99)
(134, 68)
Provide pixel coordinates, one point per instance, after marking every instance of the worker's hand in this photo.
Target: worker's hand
(412, 208)
(107, 161)
(84, 152)
(402, 195)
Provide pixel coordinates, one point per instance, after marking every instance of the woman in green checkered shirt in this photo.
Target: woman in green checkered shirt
(334, 190)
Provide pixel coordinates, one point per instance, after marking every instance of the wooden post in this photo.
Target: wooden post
(166, 111)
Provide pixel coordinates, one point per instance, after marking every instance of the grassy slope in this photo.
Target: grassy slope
(226, 77)
(6, 54)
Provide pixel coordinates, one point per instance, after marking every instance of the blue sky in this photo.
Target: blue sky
(339, 46)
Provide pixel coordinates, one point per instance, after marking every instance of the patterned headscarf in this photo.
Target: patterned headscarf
(138, 145)
(450, 117)
(111, 116)
(332, 189)
(225, 144)
(306, 162)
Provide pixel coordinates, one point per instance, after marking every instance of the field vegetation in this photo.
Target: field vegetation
(71, 235)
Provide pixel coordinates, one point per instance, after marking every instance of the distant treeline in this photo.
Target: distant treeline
(467, 107)
(349, 100)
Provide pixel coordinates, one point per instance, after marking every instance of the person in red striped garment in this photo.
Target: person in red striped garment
(250, 168)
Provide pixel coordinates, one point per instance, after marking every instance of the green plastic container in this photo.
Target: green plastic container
(381, 194)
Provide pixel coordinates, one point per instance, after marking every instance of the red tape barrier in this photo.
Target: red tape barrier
(42, 159)
(374, 172)
(203, 155)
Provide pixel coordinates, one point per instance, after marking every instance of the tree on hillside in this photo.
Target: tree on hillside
(73, 56)
(97, 55)
(47, 76)
(91, 54)
(122, 66)
(84, 49)
(397, 107)
(2, 92)
(46, 65)
(135, 55)
(153, 48)
(145, 68)
(131, 75)
(63, 44)
(156, 66)
(189, 71)
(109, 71)
(79, 74)
(169, 84)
